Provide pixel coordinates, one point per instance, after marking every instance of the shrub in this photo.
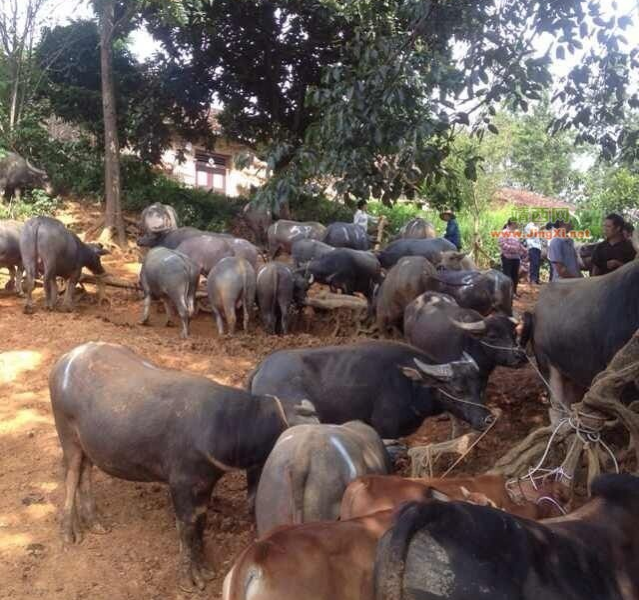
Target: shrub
(31, 204)
(319, 208)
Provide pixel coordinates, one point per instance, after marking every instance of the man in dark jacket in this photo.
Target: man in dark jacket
(615, 251)
(452, 229)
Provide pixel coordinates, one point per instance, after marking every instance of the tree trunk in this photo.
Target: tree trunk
(114, 223)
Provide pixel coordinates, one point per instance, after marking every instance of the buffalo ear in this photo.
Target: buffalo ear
(412, 374)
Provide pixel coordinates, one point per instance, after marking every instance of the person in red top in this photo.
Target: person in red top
(512, 250)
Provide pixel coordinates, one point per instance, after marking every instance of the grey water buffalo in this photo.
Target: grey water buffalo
(584, 255)
(346, 235)
(10, 257)
(458, 551)
(578, 325)
(456, 261)
(303, 251)
(170, 239)
(243, 249)
(205, 251)
(391, 386)
(483, 291)
(47, 246)
(278, 290)
(282, 234)
(258, 218)
(172, 277)
(158, 218)
(231, 284)
(348, 270)
(140, 422)
(403, 283)
(441, 329)
(417, 228)
(309, 469)
(17, 173)
(430, 249)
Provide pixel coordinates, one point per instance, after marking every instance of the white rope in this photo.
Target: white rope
(461, 401)
(553, 403)
(509, 348)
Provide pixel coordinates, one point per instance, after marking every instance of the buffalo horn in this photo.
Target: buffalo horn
(438, 371)
(475, 326)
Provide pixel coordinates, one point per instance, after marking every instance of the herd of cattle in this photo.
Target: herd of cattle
(316, 429)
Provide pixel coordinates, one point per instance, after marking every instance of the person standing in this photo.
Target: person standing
(615, 251)
(452, 229)
(511, 252)
(534, 245)
(562, 254)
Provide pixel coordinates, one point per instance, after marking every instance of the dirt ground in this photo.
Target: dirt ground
(138, 558)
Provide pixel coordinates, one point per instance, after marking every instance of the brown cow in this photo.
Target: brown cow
(313, 561)
(372, 493)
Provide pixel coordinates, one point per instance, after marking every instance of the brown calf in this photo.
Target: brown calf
(312, 561)
(372, 493)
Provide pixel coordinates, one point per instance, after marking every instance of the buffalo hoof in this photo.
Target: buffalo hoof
(10, 285)
(65, 308)
(143, 323)
(71, 533)
(28, 310)
(194, 577)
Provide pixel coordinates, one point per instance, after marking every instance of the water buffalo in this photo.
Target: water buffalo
(578, 325)
(349, 270)
(172, 277)
(205, 251)
(375, 382)
(309, 468)
(242, 248)
(303, 251)
(456, 261)
(139, 422)
(231, 284)
(10, 257)
(258, 218)
(47, 246)
(584, 255)
(17, 173)
(169, 239)
(278, 288)
(417, 228)
(158, 218)
(282, 234)
(403, 283)
(458, 551)
(483, 291)
(346, 235)
(430, 249)
(444, 331)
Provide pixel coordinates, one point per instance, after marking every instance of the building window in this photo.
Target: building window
(210, 171)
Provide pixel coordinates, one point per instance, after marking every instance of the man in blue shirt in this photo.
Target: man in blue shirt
(452, 229)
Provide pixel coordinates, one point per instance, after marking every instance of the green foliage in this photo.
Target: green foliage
(31, 204)
(320, 209)
(398, 214)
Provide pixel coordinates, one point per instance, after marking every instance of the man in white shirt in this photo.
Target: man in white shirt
(534, 245)
(362, 218)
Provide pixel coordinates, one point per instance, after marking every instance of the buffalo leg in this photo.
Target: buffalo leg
(252, 479)
(30, 284)
(231, 318)
(50, 290)
(168, 309)
(284, 317)
(18, 281)
(11, 284)
(218, 320)
(146, 311)
(70, 525)
(184, 319)
(68, 296)
(190, 502)
(247, 315)
(86, 502)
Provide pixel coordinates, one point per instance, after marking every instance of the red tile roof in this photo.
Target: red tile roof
(517, 197)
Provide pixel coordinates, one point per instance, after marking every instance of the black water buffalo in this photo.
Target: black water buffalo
(158, 218)
(578, 325)
(303, 251)
(417, 228)
(258, 218)
(169, 239)
(460, 551)
(139, 422)
(483, 291)
(231, 284)
(10, 257)
(205, 251)
(17, 173)
(403, 283)
(441, 329)
(172, 277)
(47, 246)
(348, 270)
(430, 249)
(278, 289)
(309, 469)
(375, 382)
(346, 235)
(282, 234)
